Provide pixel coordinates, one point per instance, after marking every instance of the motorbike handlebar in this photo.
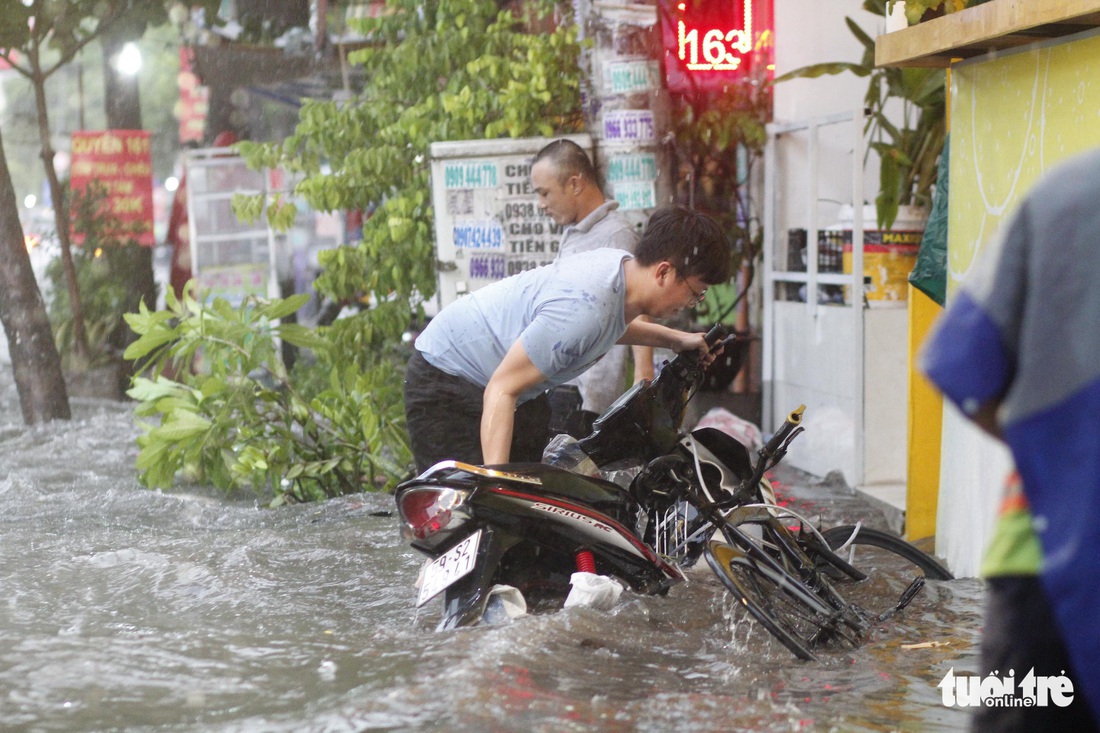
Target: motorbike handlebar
(645, 421)
(717, 333)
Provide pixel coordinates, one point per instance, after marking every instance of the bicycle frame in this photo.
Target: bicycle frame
(753, 526)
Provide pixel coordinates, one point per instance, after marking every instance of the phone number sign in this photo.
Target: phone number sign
(628, 125)
(492, 216)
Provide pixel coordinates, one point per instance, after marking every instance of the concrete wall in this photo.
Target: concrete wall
(811, 33)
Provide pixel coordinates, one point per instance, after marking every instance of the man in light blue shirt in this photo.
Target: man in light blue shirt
(475, 386)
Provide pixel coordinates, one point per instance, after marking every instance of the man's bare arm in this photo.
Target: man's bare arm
(643, 359)
(643, 333)
(515, 374)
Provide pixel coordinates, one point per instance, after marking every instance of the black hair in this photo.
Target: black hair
(569, 159)
(691, 242)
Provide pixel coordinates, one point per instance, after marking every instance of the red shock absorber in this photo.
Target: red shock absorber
(586, 562)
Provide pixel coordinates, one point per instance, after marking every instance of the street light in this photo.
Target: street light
(128, 61)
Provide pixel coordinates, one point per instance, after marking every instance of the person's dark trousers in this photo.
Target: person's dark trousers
(1021, 634)
(443, 416)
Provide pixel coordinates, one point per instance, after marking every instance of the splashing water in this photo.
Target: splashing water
(127, 609)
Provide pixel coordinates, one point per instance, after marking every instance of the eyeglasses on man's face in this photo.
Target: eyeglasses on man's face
(697, 297)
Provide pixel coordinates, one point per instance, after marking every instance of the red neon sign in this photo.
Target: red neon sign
(709, 44)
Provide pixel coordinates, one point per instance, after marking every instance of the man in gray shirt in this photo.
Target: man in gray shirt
(570, 193)
(475, 385)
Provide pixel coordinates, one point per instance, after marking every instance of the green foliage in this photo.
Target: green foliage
(720, 139)
(234, 417)
(909, 153)
(436, 71)
(915, 10)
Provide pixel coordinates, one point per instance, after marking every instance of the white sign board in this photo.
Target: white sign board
(628, 126)
(487, 221)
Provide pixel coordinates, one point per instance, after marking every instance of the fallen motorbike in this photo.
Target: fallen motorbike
(532, 527)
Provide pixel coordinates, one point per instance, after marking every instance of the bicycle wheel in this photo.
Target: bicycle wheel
(895, 570)
(872, 549)
(765, 537)
(791, 613)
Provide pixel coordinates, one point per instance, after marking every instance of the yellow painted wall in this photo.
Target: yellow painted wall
(1013, 118)
(925, 427)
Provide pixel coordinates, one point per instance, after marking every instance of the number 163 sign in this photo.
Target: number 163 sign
(709, 44)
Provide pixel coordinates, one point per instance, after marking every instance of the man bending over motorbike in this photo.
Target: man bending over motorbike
(475, 387)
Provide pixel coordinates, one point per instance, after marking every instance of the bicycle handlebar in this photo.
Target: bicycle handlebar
(772, 452)
(785, 430)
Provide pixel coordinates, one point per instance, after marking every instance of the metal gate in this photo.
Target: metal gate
(814, 330)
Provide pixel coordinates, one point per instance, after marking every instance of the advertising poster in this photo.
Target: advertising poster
(119, 161)
(194, 100)
(488, 223)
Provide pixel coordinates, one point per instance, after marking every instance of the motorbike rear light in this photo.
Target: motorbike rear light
(427, 510)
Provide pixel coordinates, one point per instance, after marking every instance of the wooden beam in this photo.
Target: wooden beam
(992, 26)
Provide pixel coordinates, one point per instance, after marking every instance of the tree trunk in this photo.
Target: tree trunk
(34, 357)
(61, 209)
(123, 108)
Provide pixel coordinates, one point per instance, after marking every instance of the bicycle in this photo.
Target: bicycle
(786, 575)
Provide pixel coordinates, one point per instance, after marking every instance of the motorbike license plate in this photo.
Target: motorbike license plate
(449, 567)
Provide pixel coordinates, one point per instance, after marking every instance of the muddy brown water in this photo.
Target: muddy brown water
(123, 609)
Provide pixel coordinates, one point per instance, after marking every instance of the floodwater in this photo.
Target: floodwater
(123, 609)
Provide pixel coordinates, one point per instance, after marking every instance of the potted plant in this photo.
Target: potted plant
(909, 151)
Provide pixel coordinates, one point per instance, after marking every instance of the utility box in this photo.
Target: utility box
(487, 220)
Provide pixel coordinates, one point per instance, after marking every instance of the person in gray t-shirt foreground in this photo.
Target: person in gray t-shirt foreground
(570, 193)
(475, 385)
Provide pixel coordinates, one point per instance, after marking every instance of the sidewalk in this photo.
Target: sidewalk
(835, 502)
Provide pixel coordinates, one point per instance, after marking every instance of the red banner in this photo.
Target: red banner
(120, 162)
